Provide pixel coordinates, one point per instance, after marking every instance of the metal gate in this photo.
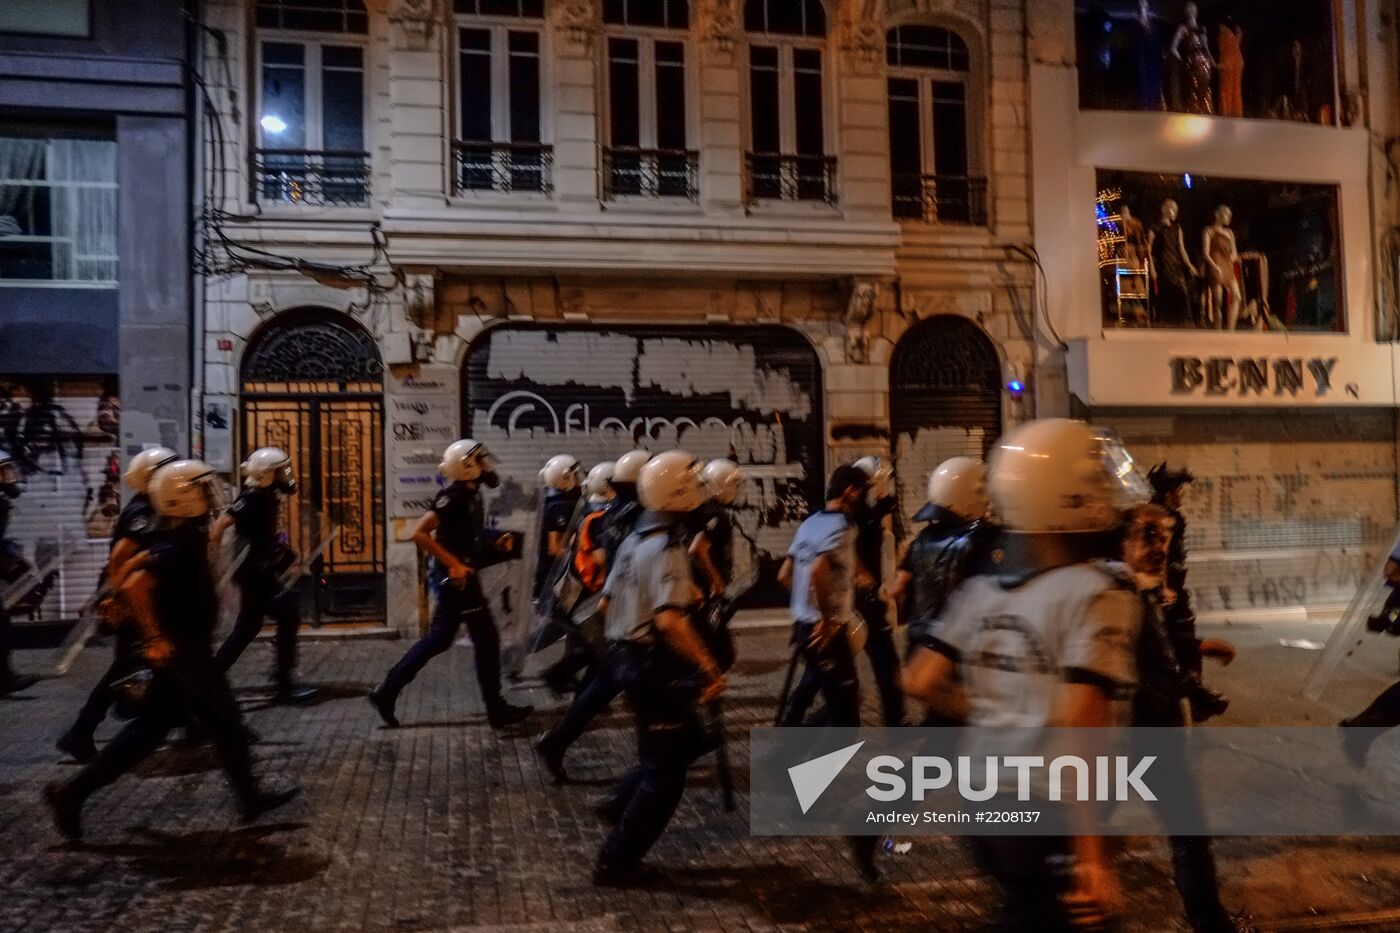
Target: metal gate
(751, 393)
(945, 400)
(312, 385)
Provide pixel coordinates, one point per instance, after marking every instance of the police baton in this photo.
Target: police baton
(726, 777)
(787, 684)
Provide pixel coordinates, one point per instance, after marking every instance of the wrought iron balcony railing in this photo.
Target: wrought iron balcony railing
(940, 199)
(307, 176)
(791, 177)
(503, 167)
(651, 173)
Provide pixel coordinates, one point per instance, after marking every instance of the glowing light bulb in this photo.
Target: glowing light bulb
(272, 123)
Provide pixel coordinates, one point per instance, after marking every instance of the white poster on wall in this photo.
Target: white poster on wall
(423, 419)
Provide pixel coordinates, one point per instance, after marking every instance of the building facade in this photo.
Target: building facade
(95, 273)
(788, 231)
(1213, 212)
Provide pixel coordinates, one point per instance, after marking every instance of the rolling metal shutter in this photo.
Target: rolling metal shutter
(945, 401)
(754, 394)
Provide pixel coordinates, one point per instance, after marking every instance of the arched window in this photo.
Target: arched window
(930, 154)
(787, 157)
(648, 150)
(502, 127)
(311, 102)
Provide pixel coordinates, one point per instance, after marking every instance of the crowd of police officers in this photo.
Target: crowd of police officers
(635, 575)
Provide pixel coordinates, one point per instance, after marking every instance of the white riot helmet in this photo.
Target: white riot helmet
(672, 482)
(561, 473)
(9, 470)
(722, 480)
(269, 467)
(597, 485)
(186, 489)
(1056, 475)
(956, 490)
(880, 474)
(466, 461)
(628, 467)
(143, 466)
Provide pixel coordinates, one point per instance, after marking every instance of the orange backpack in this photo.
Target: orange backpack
(587, 565)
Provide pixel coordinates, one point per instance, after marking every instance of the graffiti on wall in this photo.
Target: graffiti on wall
(63, 432)
(753, 396)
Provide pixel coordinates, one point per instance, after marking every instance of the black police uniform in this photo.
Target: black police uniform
(879, 644)
(942, 555)
(557, 514)
(1181, 617)
(461, 531)
(258, 577)
(137, 522)
(190, 687)
(601, 688)
(652, 574)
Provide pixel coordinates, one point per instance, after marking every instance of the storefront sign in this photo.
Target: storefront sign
(423, 420)
(1245, 376)
(1149, 370)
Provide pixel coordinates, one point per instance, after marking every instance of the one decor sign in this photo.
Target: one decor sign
(1255, 376)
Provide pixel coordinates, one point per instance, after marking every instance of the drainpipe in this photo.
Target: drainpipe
(194, 59)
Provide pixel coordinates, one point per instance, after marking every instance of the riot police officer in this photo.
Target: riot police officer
(267, 480)
(955, 543)
(712, 548)
(453, 532)
(658, 659)
(605, 534)
(173, 606)
(11, 568)
(1050, 638)
(135, 526)
(561, 478)
(880, 502)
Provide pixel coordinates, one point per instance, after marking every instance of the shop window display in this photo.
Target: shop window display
(1231, 58)
(1191, 251)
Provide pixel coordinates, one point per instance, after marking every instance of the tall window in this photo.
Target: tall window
(647, 116)
(500, 128)
(46, 17)
(311, 117)
(58, 210)
(928, 100)
(787, 131)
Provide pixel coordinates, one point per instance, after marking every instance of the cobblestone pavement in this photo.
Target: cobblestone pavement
(443, 824)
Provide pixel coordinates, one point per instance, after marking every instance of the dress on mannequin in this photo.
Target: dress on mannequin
(1191, 47)
(1172, 270)
(1231, 71)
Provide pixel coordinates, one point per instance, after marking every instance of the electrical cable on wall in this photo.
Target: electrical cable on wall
(1040, 291)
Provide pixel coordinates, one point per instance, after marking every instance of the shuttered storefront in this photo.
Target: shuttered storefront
(754, 394)
(945, 401)
(63, 431)
(1289, 509)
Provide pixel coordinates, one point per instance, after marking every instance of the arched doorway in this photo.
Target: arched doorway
(312, 384)
(945, 400)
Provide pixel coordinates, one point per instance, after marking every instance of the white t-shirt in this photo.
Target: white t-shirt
(1016, 647)
(823, 533)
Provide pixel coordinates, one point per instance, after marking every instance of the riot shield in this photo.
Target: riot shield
(562, 590)
(1355, 651)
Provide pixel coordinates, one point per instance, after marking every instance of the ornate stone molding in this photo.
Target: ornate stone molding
(577, 22)
(863, 34)
(718, 22)
(860, 308)
(417, 20)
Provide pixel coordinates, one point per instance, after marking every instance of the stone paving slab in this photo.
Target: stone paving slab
(445, 825)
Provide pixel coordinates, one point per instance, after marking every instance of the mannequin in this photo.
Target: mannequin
(1221, 255)
(1135, 263)
(1231, 38)
(1191, 47)
(1171, 268)
(1147, 48)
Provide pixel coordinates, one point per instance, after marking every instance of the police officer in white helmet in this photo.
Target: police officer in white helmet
(132, 531)
(173, 611)
(1049, 639)
(879, 503)
(268, 479)
(454, 533)
(562, 482)
(656, 657)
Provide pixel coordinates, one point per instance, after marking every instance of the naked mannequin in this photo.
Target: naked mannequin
(1221, 254)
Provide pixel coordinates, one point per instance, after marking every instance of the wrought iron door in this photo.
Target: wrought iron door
(311, 385)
